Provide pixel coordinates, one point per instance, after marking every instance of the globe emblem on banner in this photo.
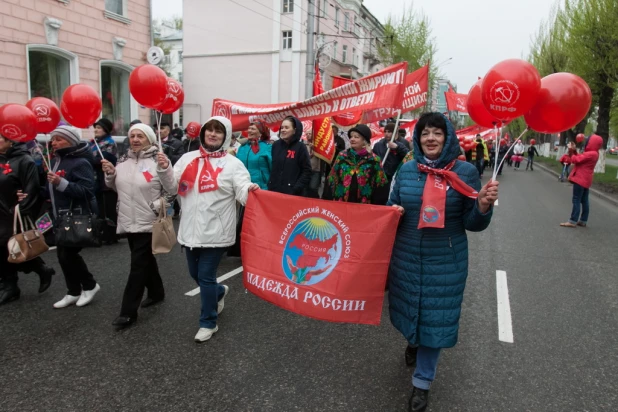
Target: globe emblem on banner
(430, 214)
(312, 251)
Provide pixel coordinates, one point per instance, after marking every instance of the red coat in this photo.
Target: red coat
(565, 159)
(583, 172)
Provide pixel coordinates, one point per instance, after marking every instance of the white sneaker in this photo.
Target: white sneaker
(87, 296)
(221, 303)
(68, 300)
(204, 334)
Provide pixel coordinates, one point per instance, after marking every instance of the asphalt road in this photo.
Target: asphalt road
(563, 299)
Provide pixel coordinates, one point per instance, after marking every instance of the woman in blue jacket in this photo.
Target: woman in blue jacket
(440, 198)
(255, 154)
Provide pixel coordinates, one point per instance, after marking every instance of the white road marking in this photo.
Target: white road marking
(505, 326)
(496, 202)
(220, 279)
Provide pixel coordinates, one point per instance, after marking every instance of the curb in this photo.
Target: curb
(596, 192)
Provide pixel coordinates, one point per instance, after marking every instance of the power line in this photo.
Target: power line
(269, 18)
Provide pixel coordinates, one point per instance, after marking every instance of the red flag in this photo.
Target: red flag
(456, 102)
(345, 119)
(318, 258)
(381, 89)
(323, 139)
(414, 96)
(450, 88)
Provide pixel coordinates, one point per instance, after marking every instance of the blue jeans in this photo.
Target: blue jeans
(203, 263)
(580, 203)
(480, 165)
(426, 366)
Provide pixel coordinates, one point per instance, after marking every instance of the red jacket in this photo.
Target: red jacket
(583, 172)
(565, 159)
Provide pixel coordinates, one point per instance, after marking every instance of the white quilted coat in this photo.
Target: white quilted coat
(209, 219)
(136, 196)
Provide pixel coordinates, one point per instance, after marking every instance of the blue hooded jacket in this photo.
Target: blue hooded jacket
(429, 266)
(258, 164)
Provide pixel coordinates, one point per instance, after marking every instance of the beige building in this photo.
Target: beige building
(47, 45)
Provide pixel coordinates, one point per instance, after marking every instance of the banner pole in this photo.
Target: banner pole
(395, 132)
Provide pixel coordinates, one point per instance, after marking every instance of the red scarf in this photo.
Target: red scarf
(255, 146)
(434, 194)
(208, 176)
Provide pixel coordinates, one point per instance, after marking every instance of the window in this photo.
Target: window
(114, 6)
(288, 6)
(115, 96)
(334, 50)
(324, 5)
(180, 56)
(337, 16)
(345, 53)
(346, 22)
(180, 77)
(117, 10)
(287, 40)
(50, 71)
(354, 60)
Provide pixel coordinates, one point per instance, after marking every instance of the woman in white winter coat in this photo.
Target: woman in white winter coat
(518, 150)
(140, 197)
(208, 181)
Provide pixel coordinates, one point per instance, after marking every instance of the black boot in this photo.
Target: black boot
(411, 355)
(419, 400)
(9, 292)
(123, 322)
(45, 276)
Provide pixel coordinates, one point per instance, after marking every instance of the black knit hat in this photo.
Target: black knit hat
(105, 124)
(363, 130)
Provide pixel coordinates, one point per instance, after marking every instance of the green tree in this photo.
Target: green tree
(408, 38)
(592, 44)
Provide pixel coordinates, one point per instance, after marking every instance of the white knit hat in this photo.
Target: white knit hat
(147, 130)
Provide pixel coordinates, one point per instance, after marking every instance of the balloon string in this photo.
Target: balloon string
(512, 146)
(159, 116)
(98, 147)
(38, 149)
(48, 154)
(496, 151)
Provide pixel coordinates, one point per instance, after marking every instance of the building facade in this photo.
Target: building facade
(47, 45)
(255, 51)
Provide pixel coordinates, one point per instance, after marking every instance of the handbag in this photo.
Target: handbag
(163, 233)
(78, 230)
(26, 245)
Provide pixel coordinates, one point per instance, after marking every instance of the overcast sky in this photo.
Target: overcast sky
(476, 33)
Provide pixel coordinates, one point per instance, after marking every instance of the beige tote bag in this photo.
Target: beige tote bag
(163, 233)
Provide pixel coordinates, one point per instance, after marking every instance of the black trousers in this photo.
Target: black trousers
(76, 274)
(106, 201)
(144, 274)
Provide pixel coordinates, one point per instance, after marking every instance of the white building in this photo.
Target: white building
(255, 51)
(171, 39)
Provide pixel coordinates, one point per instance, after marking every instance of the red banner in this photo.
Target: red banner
(345, 119)
(414, 96)
(318, 258)
(381, 89)
(323, 139)
(456, 102)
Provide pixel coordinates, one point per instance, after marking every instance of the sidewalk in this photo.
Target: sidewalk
(605, 196)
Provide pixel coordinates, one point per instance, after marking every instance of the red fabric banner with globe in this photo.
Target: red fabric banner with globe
(317, 258)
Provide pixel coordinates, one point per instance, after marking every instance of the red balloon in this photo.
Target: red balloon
(148, 85)
(532, 142)
(46, 112)
(17, 123)
(580, 138)
(80, 105)
(193, 129)
(476, 109)
(174, 99)
(460, 138)
(564, 101)
(510, 89)
(502, 142)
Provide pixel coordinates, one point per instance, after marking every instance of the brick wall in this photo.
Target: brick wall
(85, 32)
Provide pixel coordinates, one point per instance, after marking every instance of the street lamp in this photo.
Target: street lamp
(447, 61)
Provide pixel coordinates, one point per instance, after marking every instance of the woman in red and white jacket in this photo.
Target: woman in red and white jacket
(208, 181)
(581, 177)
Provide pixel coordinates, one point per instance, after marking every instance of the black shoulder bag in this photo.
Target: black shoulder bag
(79, 230)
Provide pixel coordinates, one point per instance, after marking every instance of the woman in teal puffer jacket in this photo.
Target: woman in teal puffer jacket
(256, 154)
(440, 198)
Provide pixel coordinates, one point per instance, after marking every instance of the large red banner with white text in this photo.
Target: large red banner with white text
(414, 96)
(382, 89)
(456, 102)
(346, 119)
(318, 258)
